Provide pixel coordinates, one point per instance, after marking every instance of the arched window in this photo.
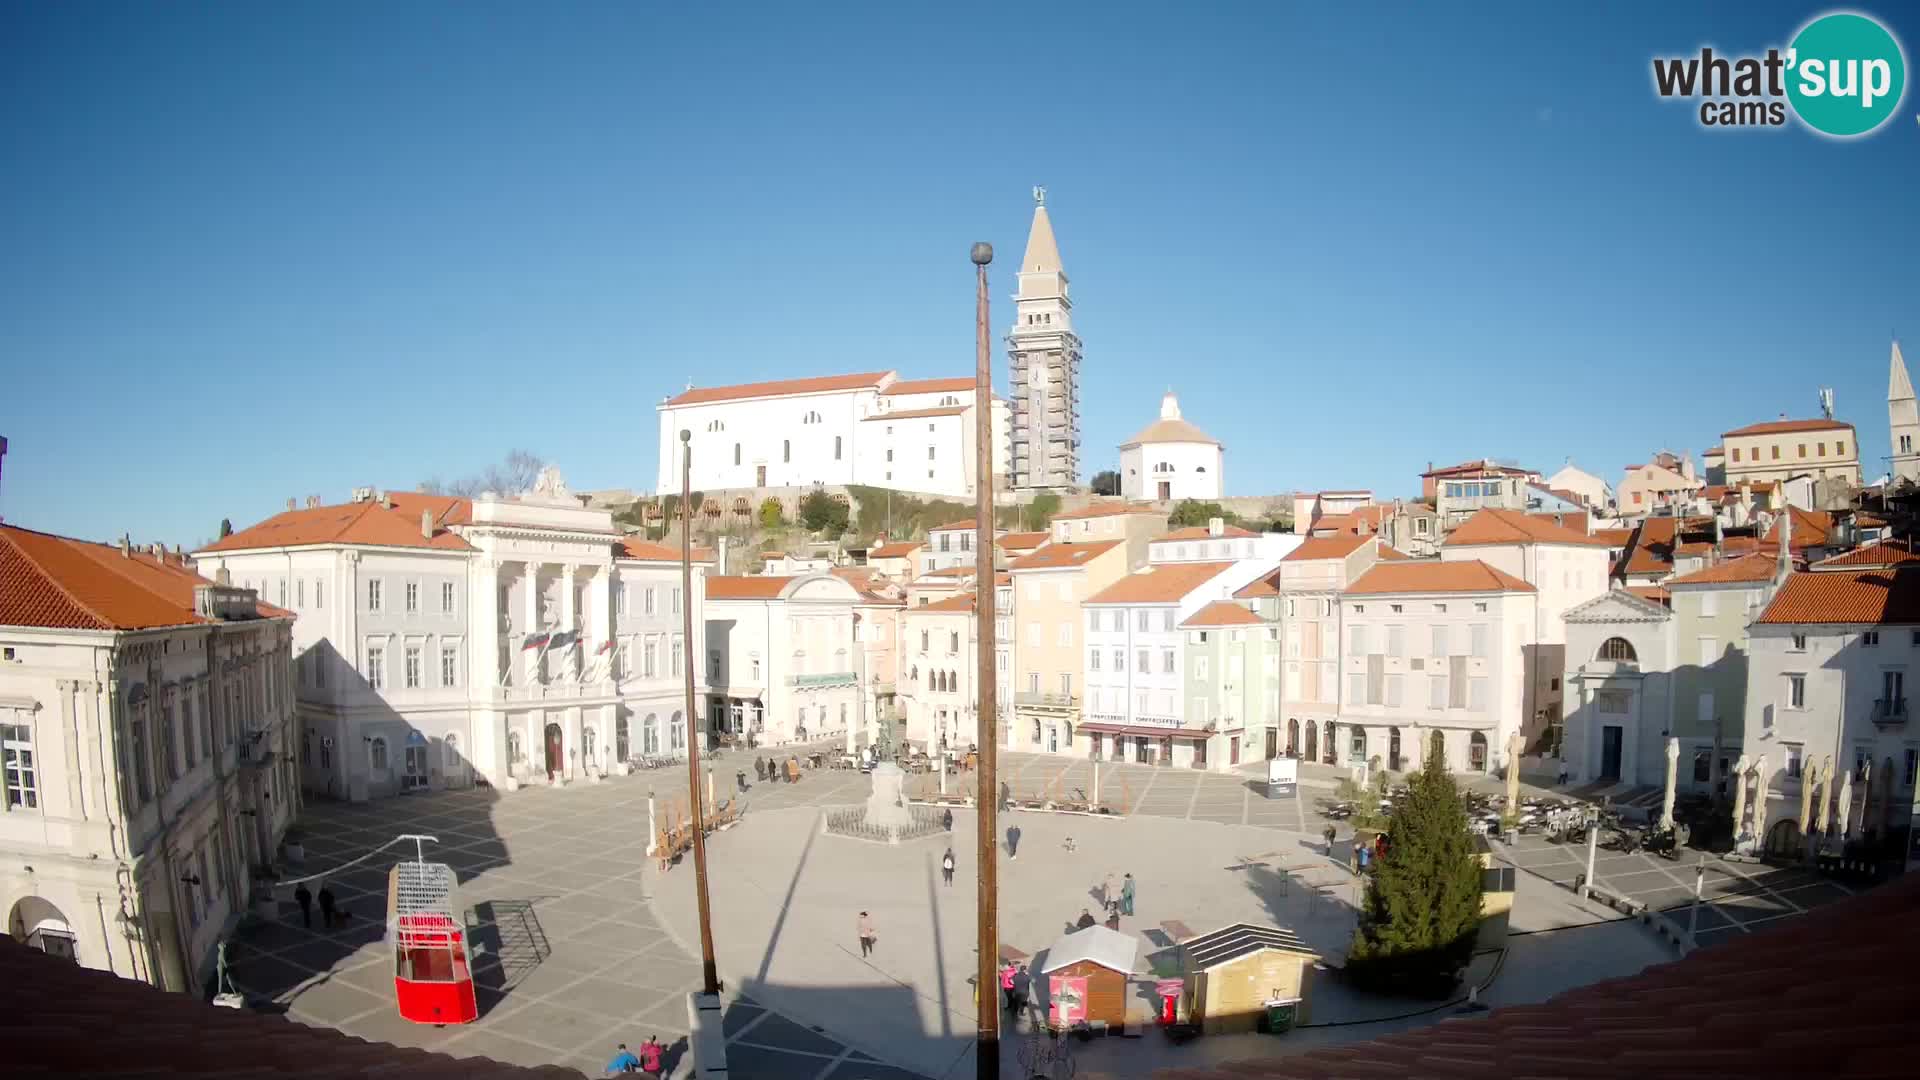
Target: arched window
(1327, 747)
(377, 754)
(786, 450)
(621, 742)
(677, 733)
(1477, 750)
(650, 734)
(516, 748)
(450, 749)
(1036, 732)
(913, 675)
(1066, 734)
(589, 745)
(1619, 650)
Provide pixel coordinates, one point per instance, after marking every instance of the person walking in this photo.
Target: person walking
(1006, 983)
(623, 1061)
(1013, 842)
(304, 897)
(650, 1055)
(946, 819)
(1329, 835)
(1109, 891)
(864, 928)
(1022, 983)
(759, 768)
(326, 905)
(946, 867)
(1126, 896)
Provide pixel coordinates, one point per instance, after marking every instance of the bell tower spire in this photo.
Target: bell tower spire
(1903, 419)
(1043, 361)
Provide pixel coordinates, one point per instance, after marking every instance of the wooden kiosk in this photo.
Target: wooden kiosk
(1086, 973)
(1246, 978)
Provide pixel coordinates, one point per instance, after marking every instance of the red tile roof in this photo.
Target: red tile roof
(1433, 576)
(60, 583)
(1389, 553)
(1513, 527)
(1891, 552)
(1826, 994)
(1480, 466)
(1653, 594)
(959, 602)
(366, 524)
(644, 550)
(1264, 586)
(962, 385)
(1105, 509)
(1779, 427)
(1810, 528)
(1200, 532)
(902, 550)
(1334, 524)
(1021, 541)
(950, 526)
(1847, 596)
(916, 414)
(781, 388)
(1614, 537)
(1055, 556)
(1571, 519)
(1221, 613)
(1163, 584)
(60, 1019)
(1326, 547)
(759, 587)
(1747, 569)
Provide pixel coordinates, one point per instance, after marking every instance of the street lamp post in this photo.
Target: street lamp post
(987, 1046)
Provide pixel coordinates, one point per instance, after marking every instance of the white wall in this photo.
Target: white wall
(1191, 471)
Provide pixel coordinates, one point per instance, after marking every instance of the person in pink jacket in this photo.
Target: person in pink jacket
(1007, 972)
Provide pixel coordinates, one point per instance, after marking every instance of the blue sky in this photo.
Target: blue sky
(250, 252)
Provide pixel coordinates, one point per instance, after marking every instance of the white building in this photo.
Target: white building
(1309, 583)
(1621, 654)
(441, 639)
(1043, 365)
(868, 428)
(1592, 491)
(1217, 541)
(783, 665)
(1172, 459)
(146, 725)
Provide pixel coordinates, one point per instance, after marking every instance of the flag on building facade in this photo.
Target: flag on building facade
(533, 641)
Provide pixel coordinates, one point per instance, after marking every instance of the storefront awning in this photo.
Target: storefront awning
(1147, 732)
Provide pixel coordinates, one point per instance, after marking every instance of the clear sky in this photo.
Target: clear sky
(254, 251)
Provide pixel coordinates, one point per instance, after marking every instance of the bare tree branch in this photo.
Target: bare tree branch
(511, 476)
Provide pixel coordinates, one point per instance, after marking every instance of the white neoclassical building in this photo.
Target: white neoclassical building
(444, 640)
(783, 664)
(1172, 459)
(870, 428)
(146, 724)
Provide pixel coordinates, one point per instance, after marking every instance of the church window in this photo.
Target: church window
(736, 453)
(786, 450)
(1840, 448)
(836, 448)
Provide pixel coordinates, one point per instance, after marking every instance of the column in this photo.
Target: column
(484, 627)
(1673, 776)
(601, 628)
(569, 667)
(531, 607)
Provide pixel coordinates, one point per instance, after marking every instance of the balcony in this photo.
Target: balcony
(555, 691)
(824, 681)
(1890, 712)
(1035, 699)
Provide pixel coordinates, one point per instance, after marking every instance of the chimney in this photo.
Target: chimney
(1216, 526)
(426, 524)
(290, 503)
(223, 577)
(720, 557)
(126, 546)
(313, 502)
(158, 550)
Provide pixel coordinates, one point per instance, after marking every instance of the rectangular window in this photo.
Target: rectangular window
(1793, 761)
(1199, 666)
(1709, 650)
(1736, 454)
(319, 594)
(1066, 634)
(1796, 691)
(1356, 688)
(1141, 620)
(283, 592)
(22, 779)
(1142, 663)
(1709, 602)
(1396, 641)
(1477, 694)
(1093, 659)
(413, 667)
(1799, 643)
(648, 601)
(1439, 641)
(1436, 692)
(1840, 448)
(300, 592)
(1479, 641)
(674, 595)
(677, 657)
(1166, 661)
(449, 665)
(413, 597)
(1119, 660)
(186, 727)
(1166, 621)
(953, 643)
(1775, 452)
(373, 594)
(376, 666)
(1870, 639)
(1393, 691)
(1066, 684)
(650, 657)
(446, 597)
(1803, 449)
(1033, 682)
(1357, 641)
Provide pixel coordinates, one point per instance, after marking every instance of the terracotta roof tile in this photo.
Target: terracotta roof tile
(57, 582)
(1326, 547)
(1389, 553)
(1482, 465)
(902, 550)
(961, 385)
(1847, 596)
(759, 587)
(781, 387)
(1433, 576)
(1891, 552)
(1260, 587)
(366, 524)
(1752, 1006)
(916, 414)
(1614, 537)
(1222, 613)
(968, 524)
(960, 602)
(1653, 594)
(1105, 509)
(951, 572)
(1163, 584)
(1334, 524)
(1810, 527)
(1513, 527)
(1778, 427)
(1021, 541)
(1055, 556)
(1569, 519)
(1747, 569)
(1199, 532)
(643, 550)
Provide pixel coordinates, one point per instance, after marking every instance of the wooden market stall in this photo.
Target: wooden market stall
(1086, 973)
(1246, 977)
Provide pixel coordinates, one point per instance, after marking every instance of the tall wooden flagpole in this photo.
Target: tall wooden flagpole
(709, 975)
(987, 1045)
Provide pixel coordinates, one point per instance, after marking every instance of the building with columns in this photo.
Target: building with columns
(1043, 364)
(1172, 459)
(519, 639)
(146, 722)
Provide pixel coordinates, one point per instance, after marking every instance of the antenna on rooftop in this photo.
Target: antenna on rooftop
(1826, 402)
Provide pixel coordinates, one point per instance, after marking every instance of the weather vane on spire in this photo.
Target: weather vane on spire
(1039, 195)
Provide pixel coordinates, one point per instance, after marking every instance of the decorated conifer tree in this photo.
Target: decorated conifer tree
(1422, 907)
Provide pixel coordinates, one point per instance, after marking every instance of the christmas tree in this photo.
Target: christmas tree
(1417, 926)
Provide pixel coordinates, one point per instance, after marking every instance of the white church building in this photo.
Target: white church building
(1172, 459)
(870, 428)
